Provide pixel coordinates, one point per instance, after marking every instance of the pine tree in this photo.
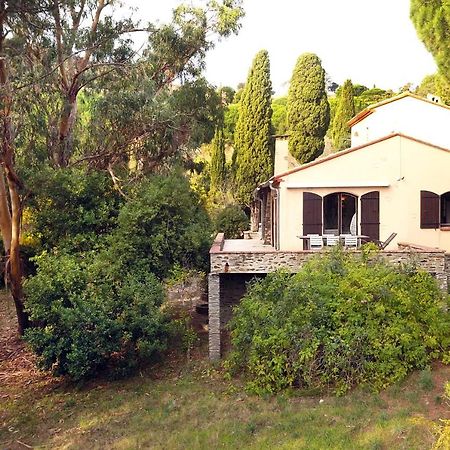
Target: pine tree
(218, 160)
(254, 150)
(432, 21)
(345, 110)
(308, 110)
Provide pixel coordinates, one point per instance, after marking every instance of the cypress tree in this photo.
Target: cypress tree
(345, 110)
(218, 160)
(308, 110)
(254, 152)
(432, 21)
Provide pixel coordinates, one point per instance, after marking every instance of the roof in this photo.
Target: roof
(370, 109)
(278, 178)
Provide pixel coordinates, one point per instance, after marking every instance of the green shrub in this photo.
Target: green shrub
(71, 208)
(89, 315)
(341, 321)
(232, 221)
(163, 225)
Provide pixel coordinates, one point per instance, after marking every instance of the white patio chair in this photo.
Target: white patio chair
(331, 239)
(350, 241)
(315, 242)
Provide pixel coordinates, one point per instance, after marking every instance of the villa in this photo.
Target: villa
(392, 187)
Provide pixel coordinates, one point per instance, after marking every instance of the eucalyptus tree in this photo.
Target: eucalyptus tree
(54, 52)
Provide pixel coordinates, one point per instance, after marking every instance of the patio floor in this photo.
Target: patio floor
(246, 245)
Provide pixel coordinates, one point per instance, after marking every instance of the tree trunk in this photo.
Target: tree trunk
(14, 264)
(62, 149)
(5, 216)
(11, 227)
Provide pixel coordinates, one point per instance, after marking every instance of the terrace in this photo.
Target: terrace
(234, 262)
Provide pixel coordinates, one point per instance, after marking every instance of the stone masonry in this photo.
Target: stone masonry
(264, 260)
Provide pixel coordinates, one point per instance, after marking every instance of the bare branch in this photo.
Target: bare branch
(59, 44)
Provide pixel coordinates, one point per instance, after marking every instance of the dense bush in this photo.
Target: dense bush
(341, 321)
(93, 308)
(163, 225)
(71, 208)
(89, 315)
(232, 221)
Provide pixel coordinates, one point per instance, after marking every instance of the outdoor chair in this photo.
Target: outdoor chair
(331, 239)
(315, 242)
(350, 241)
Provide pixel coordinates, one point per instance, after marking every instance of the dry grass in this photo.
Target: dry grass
(189, 405)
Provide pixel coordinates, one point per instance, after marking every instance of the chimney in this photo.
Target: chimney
(284, 161)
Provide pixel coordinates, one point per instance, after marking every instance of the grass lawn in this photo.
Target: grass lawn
(190, 406)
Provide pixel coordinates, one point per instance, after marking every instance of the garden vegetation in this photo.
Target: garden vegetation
(342, 321)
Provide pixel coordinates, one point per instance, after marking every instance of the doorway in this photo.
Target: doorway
(339, 213)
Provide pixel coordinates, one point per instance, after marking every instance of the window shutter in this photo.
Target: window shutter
(429, 210)
(312, 215)
(370, 215)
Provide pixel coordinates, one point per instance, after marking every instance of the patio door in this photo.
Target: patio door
(339, 213)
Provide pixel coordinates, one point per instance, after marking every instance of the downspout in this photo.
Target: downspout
(277, 217)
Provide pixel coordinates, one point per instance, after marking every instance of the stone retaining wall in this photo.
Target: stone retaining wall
(436, 263)
(231, 270)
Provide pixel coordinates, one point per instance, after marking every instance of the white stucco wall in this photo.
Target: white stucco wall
(399, 168)
(413, 117)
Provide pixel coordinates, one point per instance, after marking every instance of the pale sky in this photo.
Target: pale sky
(369, 41)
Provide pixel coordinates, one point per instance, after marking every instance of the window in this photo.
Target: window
(445, 209)
(434, 210)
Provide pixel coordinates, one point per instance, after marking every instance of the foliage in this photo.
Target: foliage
(89, 315)
(432, 22)
(308, 111)
(343, 320)
(231, 115)
(231, 221)
(279, 123)
(443, 431)
(184, 334)
(345, 110)
(218, 169)
(100, 304)
(71, 208)
(369, 97)
(254, 149)
(162, 225)
(154, 127)
(435, 84)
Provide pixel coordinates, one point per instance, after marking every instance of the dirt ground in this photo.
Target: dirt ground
(17, 364)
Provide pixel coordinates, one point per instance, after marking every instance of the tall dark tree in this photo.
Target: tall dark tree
(218, 172)
(345, 110)
(432, 21)
(308, 110)
(254, 150)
